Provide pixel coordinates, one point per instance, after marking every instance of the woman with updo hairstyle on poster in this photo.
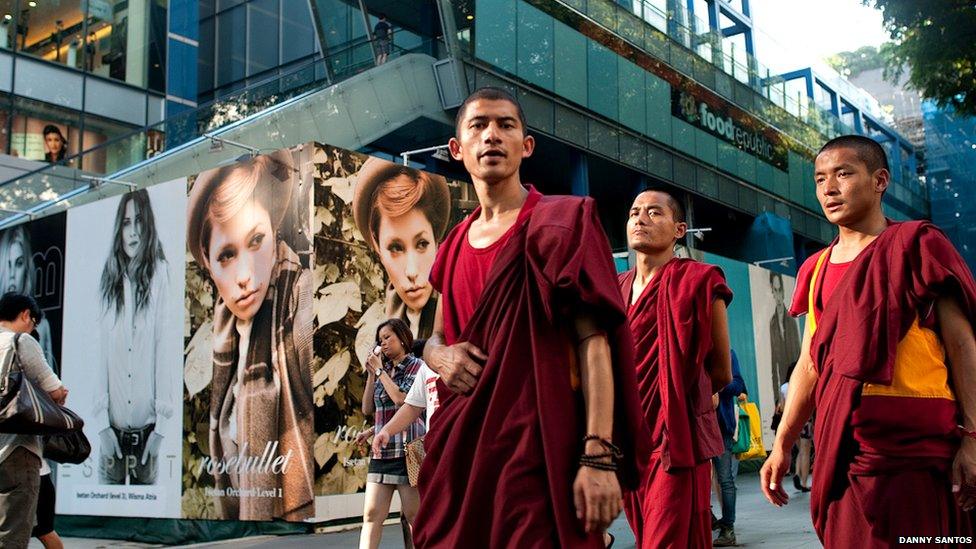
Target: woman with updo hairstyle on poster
(403, 214)
(261, 391)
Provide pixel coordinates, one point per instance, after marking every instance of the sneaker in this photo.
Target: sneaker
(726, 537)
(715, 524)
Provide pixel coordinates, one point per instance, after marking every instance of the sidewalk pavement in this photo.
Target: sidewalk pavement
(758, 524)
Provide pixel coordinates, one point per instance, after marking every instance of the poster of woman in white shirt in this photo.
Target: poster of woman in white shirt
(124, 282)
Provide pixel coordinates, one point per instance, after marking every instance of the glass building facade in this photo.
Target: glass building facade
(88, 71)
(621, 93)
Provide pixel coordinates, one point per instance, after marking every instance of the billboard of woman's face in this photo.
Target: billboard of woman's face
(15, 261)
(246, 230)
(402, 213)
(240, 258)
(407, 248)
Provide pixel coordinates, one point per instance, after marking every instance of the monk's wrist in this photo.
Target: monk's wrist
(436, 353)
(784, 444)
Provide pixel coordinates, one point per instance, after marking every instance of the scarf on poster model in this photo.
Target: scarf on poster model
(273, 405)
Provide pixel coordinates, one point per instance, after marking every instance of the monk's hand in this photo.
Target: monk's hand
(771, 476)
(459, 366)
(964, 475)
(597, 496)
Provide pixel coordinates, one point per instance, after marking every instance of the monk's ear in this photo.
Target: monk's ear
(881, 179)
(454, 147)
(680, 229)
(528, 146)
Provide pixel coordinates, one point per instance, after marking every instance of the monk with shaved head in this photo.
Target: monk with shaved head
(677, 313)
(888, 360)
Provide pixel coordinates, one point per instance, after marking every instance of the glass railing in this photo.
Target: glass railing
(54, 181)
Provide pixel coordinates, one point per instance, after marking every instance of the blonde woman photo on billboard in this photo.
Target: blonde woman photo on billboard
(136, 397)
(17, 275)
(261, 421)
(403, 213)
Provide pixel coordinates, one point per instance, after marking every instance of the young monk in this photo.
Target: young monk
(889, 361)
(538, 406)
(677, 313)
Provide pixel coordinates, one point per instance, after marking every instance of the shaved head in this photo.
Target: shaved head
(868, 150)
(677, 210)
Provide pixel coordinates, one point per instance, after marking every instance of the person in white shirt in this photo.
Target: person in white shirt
(136, 396)
(20, 455)
(421, 398)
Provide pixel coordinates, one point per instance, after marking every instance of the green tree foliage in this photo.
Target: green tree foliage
(852, 63)
(934, 40)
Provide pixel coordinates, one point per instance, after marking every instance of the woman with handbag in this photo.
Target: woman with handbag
(388, 380)
(20, 454)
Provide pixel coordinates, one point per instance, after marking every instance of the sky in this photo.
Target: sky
(790, 34)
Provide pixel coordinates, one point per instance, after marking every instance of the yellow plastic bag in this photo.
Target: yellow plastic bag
(756, 448)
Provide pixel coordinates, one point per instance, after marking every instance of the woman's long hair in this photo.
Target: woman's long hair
(149, 256)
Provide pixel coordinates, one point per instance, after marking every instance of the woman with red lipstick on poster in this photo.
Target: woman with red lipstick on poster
(239, 220)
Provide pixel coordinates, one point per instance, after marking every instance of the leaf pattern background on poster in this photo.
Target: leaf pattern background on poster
(198, 370)
(348, 305)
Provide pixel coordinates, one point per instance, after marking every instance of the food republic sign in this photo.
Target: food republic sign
(722, 125)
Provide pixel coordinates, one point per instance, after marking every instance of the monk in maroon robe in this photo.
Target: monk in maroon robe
(677, 314)
(533, 436)
(889, 361)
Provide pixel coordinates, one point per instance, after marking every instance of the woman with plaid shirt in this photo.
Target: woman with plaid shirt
(388, 381)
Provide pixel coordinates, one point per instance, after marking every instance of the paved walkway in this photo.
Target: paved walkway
(758, 524)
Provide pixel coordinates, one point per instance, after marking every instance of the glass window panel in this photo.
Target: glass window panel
(262, 29)
(124, 40)
(631, 99)
(30, 120)
(535, 48)
(684, 136)
(297, 28)
(8, 26)
(601, 82)
(206, 55)
(50, 30)
(570, 63)
(495, 27)
(658, 108)
(231, 45)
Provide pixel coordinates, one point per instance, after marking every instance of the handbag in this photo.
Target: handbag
(27, 410)
(756, 448)
(415, 458)
(743, 436)
(71, 447)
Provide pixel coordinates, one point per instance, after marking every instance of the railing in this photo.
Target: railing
(54, 182)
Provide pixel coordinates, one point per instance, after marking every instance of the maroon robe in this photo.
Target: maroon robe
(864, 497)
(501, 460)
(672, 326)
